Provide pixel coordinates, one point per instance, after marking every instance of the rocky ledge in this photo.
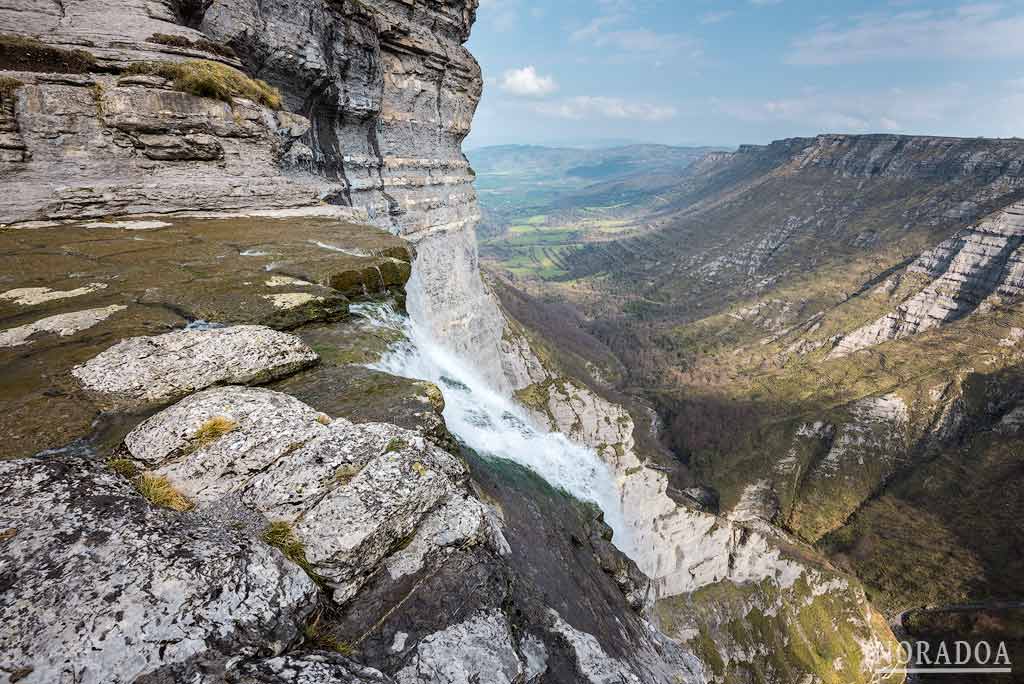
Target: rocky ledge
(228, 493)
(129, 289)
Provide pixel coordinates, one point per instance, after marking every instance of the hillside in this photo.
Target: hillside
(831, 330)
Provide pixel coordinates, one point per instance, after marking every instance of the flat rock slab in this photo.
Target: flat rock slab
(97, 586)
(149, 370)
(353, 493)
(69, 292)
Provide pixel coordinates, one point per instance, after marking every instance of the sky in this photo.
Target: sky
(717, 72)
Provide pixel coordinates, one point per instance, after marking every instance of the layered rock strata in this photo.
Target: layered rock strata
(979, 268)
(728, 587)
(377, 98)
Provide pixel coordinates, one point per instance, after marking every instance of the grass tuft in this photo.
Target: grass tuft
(322, 639)
(21, 53)
(124, 467)
(281, 536)
(213, 429)
(8, 85)
(346, 473)
(161, 492)
(198, 44)
(210, 79)
(396, 444)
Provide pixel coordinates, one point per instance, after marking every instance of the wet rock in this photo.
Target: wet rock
(362, 395)
(64, 325)
(354, 493)
(101, 587)
(146, 370)
(167, 272)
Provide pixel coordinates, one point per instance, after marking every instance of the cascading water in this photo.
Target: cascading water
(492, 424)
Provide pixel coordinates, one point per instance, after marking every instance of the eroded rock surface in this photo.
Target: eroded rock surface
(978, 268)
(100, 586)
(353, 492)
(72, 292)
(306, 668)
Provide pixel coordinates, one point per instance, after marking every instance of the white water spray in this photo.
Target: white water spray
(494, 425)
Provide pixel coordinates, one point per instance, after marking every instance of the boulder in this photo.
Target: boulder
(477, 648)
(98, 586)
(146, 370)
(354, 493)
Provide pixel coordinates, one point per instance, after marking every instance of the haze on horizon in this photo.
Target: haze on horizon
(708, 72)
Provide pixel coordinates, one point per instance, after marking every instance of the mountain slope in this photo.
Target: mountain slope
(831, 329)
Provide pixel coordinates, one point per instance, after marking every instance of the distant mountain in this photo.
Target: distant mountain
(523, 181)
(584, 164)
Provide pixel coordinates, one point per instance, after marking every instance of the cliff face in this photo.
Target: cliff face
(377, 97)
(165, 434)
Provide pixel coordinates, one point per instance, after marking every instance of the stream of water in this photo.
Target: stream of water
(494, 425)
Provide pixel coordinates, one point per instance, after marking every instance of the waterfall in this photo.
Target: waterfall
(491, 423)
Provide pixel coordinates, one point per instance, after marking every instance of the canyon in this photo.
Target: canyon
(265, 421)
(828, 329)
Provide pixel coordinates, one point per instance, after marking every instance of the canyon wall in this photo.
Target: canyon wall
(377, 98)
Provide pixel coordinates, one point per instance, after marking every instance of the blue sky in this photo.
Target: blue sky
(715, 72)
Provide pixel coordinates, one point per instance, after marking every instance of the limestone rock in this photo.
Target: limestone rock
(101, 587)
(64, 325)
(979, 267)
(352, 492)
(144, 370)
(471, 651)
(305, 668)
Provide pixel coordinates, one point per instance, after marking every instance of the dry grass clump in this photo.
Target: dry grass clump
(21, 53)
(198, 44)
(209, 79)
(321, 637)
(213, 429)
(281, 536)
(159, 490)
(124, 467)
(8, 85)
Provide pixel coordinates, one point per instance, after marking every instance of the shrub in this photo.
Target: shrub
(198, 44)
(161, 492)
(210, 79)
(20, 53)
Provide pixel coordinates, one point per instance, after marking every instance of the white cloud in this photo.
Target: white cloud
(526, 82)
(591, 107)
(970, 31)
